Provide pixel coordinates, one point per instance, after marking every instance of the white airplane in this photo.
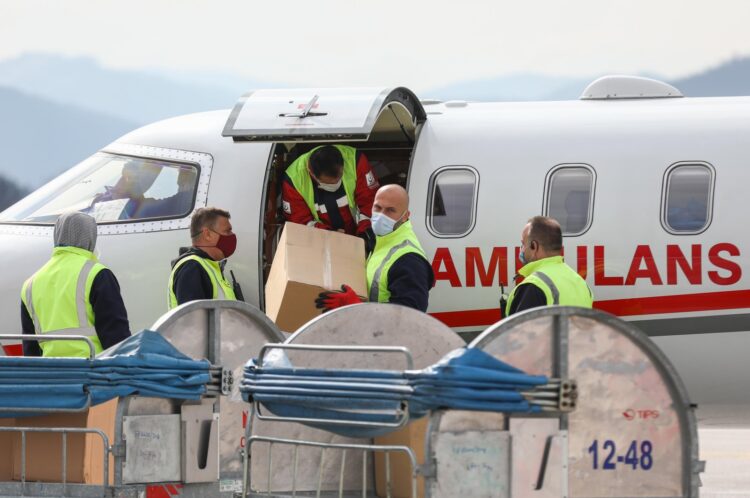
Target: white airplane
(647, 185)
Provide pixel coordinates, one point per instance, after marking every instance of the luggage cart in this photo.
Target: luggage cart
(164, 447)
(631, 432)
(371, 324)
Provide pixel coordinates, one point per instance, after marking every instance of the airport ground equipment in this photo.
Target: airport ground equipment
(371, 325)
(630, 433)
(172, 444)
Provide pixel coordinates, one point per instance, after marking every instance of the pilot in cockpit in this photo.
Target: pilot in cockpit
(137, 177)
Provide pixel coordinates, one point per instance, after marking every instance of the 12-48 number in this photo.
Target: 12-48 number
(637, 459)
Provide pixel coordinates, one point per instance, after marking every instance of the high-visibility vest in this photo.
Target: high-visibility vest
(222, 289)
(300, 177)
(57, 298)
(387, 250)
(560, 284)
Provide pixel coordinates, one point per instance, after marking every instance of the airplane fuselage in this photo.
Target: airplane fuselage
(613, 167)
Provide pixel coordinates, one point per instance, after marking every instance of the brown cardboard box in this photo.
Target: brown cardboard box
(307, 262)
(413, 436)
(6, 450)
(85, 462)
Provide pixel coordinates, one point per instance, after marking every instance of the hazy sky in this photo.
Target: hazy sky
(410, 42)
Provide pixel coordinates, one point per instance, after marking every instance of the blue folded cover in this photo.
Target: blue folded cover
(145, 364)
(465, 379)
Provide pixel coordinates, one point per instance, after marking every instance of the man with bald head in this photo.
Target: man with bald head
(397, 270)
(73, 294)
(547, 280)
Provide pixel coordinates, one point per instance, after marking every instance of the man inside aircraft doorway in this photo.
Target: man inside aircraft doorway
(547, 279)
(332, 188)
(198, 273)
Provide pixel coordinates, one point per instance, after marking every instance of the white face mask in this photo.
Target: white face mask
(383, 225)
(330, 187)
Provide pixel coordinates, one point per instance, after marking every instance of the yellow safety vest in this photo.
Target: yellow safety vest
(57, 298)
(300, 177)
(387, 250)
(222, 289)
(560, 284)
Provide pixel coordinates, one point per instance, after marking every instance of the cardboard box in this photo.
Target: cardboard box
(85, 462)
(6, 450)
(307, 262)
(413, 436)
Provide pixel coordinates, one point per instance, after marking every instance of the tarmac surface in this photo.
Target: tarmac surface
(724, 440)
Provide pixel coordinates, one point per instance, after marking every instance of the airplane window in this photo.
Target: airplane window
(113, 188)
(688, 198)
(569, 196)
(453, 201)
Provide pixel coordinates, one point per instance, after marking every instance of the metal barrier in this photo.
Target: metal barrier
(343, 449)
(93, 490)
(53, 337)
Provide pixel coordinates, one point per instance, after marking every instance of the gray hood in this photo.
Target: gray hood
(75, 229)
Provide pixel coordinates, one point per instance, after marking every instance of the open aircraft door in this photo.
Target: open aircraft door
(383, 123)
(326, 115)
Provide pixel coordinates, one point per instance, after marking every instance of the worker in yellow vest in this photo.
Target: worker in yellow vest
(332, 188)
(547, 279)
(73, 294)
(397, 270)
(198, 271)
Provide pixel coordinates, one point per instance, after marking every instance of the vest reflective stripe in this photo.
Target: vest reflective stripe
(300, 177)
(375, 286)
(551, 285)
(221, 288)
(388, 249)
(81, 296)
(51, 287)
(560, 284)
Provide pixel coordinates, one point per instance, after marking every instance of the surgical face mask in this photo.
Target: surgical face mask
(330, 187)
(383, 225)
(227, 244)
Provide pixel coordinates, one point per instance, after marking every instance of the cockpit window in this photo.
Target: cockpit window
(113, 188)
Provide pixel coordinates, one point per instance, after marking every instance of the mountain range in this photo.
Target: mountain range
(58, 110)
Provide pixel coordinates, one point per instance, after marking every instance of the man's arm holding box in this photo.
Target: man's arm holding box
(330, 300)
(410, 279)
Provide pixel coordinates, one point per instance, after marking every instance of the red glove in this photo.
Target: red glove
(330, 300)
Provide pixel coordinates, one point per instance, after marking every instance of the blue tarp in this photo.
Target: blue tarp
(466, 379)
(145, 364)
